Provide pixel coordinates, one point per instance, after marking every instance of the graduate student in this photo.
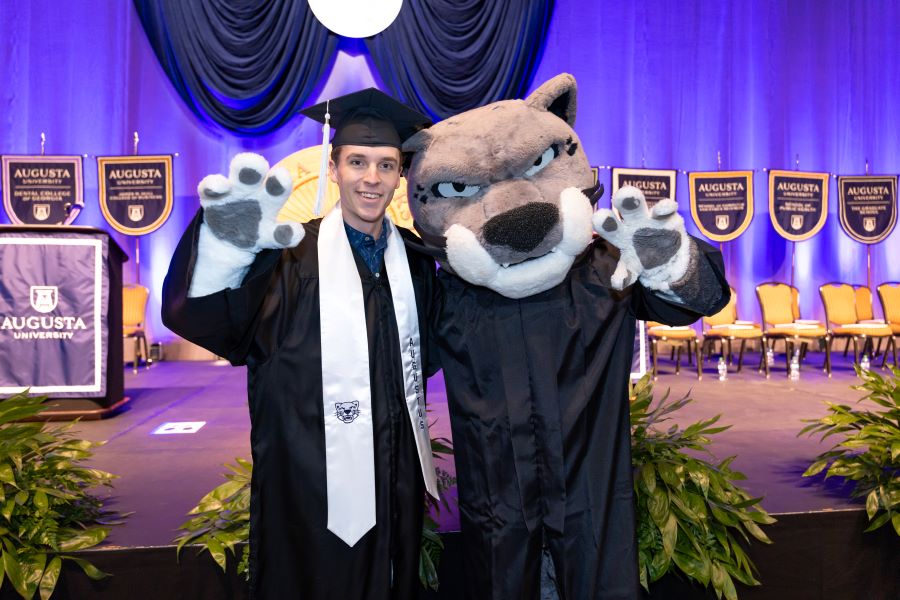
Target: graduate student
(329, 318)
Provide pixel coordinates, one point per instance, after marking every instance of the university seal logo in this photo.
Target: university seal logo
(44, 297)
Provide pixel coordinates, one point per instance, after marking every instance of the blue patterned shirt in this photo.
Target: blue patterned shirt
(368, 248)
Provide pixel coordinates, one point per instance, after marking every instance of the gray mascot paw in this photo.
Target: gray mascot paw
(240, 219)
(654, 244)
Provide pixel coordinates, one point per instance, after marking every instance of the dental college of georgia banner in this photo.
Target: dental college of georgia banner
(53, 304)
(798, 203)
(656, 184)
(42, 190)
(722, 203)
(868, 206)
(135, 192)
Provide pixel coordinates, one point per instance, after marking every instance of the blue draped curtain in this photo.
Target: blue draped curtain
(447, 56)
(247, 65)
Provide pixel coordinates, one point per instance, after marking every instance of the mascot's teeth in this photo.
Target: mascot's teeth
(505, 265)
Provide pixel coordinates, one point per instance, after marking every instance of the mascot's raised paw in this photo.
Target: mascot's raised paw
(239, 220)
(241, 209)
(654, 245)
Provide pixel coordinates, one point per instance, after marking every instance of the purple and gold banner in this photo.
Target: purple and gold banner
(721, 203)
(53, 308)
(868, 206)
(42, 190)
(798, 203)
(656, 184)
(135, 192)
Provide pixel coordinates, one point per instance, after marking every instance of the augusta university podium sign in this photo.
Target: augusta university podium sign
(61, 316)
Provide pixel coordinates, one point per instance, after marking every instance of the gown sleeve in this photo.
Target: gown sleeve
(222, 322)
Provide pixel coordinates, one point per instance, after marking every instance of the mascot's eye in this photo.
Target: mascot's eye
(543, 160)
(453, 189)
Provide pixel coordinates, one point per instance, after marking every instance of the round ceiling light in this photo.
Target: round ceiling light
(356, 18)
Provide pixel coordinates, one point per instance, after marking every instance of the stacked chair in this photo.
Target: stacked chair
(842, 305)
(779, 304)
(725, 327)
(134, 309)
(889, 296)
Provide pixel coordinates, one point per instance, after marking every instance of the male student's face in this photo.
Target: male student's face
(367, 177)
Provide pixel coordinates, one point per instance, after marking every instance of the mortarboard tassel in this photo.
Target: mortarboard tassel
(323, 166)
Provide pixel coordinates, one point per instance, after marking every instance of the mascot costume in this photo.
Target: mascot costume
(535, 335)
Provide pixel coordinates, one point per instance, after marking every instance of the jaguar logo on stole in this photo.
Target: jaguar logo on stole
(796, 221)
(346, 411)
(41, 212)
(135, 212)
(44, 297)
(722, 222)
(869, 224)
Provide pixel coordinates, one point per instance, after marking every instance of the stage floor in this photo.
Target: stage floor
(161, 477)
(820, 551)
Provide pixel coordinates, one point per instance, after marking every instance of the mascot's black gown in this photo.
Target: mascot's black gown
(538, 397)
(271, 324)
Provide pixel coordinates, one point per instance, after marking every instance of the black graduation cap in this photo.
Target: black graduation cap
(368, 118)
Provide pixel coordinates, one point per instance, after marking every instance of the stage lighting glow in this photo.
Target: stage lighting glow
(175, 427)
(356, 18)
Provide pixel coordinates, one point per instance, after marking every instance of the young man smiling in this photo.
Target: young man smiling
(333, 332)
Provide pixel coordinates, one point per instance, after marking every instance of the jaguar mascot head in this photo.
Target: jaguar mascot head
(505, 190)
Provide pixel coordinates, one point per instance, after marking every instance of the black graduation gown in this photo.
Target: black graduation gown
(537, 390)
(271, 324)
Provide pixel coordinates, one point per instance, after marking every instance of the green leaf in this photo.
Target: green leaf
(89, 569)
(84, 539)
(51, 576)
(872, 504)
(216, 551)
(648, 476)
(14, 572)
(895, 521)
(40, 500)
(816, 468)
(670, 536)
(879, 521)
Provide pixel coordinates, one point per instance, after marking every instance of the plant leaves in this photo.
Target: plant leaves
(51, 576)
(14, 572)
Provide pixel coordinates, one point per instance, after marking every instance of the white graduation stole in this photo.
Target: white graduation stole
(346, 389)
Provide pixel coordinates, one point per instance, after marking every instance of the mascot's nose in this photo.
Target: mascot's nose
(522, 228)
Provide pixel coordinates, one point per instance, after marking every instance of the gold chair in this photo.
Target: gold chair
(889, 296)
(134, 308)
(839, 300)
(677, 336)
(725, 328)
(779, 304)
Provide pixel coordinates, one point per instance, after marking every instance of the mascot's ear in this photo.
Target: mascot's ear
(556, 95)
(419, 141)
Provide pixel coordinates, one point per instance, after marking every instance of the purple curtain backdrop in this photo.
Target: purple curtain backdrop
(665, 83)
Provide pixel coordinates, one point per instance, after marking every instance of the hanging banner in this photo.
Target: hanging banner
(135, 192)
(656, 184)
(798, 203)
(722, 203)
(42, 190)
(868, 206)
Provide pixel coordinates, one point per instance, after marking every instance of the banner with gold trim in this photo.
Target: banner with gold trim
(798, 203)
(42, 190)
(721, 203)
(135, 191)
(656, 184)
(868, 206)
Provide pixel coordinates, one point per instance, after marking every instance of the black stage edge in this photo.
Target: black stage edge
(822, 555)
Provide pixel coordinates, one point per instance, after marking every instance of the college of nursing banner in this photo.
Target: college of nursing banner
(656, 184)
(798, 203)
(42, 190)
(721, 203)
(868, 206)
(135, 192)
(53, 307)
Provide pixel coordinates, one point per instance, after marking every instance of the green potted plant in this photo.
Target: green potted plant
(691, 517)
(46, 511)
(867, 446)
